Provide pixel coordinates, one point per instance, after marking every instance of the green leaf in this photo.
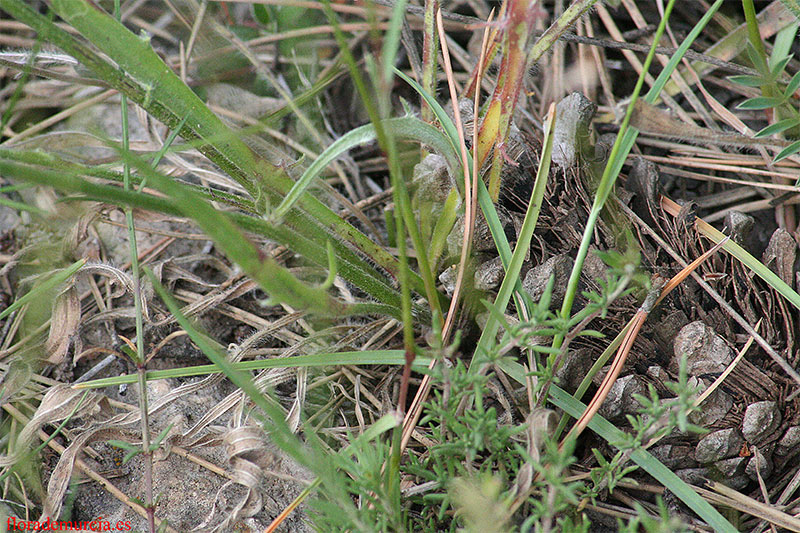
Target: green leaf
(140, 73)
(747, 81)
(793, 85)
(262, 14)
(69, 178)
(784, 41)
(441, 115)
(444, 225)
(757, 59)
(512, 269)
(391, 40)
(789, 150)
(160, 438)
(751, 262)
(592, 333)
(403, 128)
(760, 102)
(319, 360)
(123, 445)
(779, 66)
(276, 280)
(781, 125)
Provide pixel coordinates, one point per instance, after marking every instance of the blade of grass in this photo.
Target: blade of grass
(399, 192)
(485, 202)
(158, 85)
(277, 281)
(52, 162)
(623, 145)
(756, 266)
(137, 351)
(139, 356)
(403, 128)
(511, 278)
(370, 357)
(351, 266)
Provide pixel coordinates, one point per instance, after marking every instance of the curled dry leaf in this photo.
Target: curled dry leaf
(56, 405)
(79, 239)
(63, 325)
(248, 456)
(541, 424)
(293, 418)
(115, 274)
(62, 473)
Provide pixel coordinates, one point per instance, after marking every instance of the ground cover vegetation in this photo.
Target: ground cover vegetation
(400, 266)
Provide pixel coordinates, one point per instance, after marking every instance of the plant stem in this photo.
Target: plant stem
(141, 363)
(430, 47)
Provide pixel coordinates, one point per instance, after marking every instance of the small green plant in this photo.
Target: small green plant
(769, 81)
(777, 95)
(470, 445)
(474, 461)
(478, 459)
(665, 522)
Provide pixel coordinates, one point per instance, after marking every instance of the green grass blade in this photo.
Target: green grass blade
(622, 148)
(391, 41)
(484, 201)
(752, 263)
(161, 86)
(370, 357)
(444, 225)
(20, 206)
(351, 266)
(441, 115)
(277, 281)
(511, 278)
(404, 128)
